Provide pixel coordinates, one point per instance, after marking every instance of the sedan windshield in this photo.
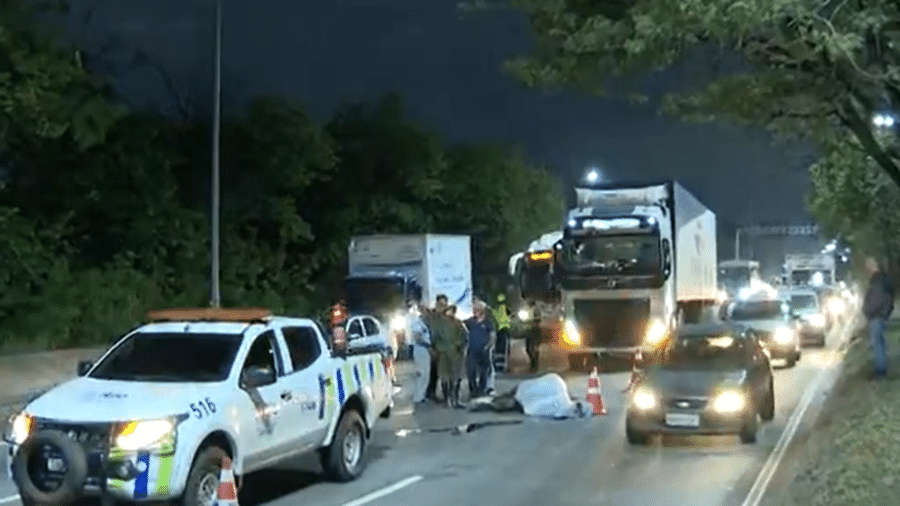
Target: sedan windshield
(721, 352)
(758, 310)
(170, 357)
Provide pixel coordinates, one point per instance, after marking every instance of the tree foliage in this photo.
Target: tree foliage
(800, 67)
(95, 233)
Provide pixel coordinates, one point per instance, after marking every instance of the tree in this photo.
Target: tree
(801, 68)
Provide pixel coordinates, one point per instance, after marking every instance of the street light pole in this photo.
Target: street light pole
(737, 244)
(215, 295)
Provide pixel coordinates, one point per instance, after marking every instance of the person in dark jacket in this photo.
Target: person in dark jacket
(878, 305)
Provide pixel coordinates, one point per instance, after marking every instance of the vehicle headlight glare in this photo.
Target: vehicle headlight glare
(398, 323)
(656, 331)
(570, 334)
(143, 434)
(836, 306)
(644, 399)
(21, 428)
(523, 314)
(729, 402)
(817, 320)
(784, 335)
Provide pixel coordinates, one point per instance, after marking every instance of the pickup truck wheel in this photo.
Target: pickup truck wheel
(343, 460)
(202, 487)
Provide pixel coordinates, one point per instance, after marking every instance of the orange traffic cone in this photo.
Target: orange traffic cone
(635, 371)
(227, 495)
(594, 397)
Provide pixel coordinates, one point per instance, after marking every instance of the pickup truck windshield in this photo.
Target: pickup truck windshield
(715, 353)
(170, 357)
(635, 254)
(758, 310)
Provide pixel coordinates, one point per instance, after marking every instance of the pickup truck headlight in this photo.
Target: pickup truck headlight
(783, 335)
(816, 320)
(644, 398)
(21, 427)
(730, 401)
(570, 334)
(656, 331)
(398, 323)
(144, 434)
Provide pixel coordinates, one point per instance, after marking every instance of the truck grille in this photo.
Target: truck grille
(619, 323)
(681, 403)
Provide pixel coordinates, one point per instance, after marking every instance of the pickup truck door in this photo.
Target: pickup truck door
(308, 386)
(263, 431)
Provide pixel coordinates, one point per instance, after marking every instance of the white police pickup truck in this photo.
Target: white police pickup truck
(156, 415)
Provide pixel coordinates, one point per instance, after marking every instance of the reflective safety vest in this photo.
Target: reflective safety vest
(501, 314)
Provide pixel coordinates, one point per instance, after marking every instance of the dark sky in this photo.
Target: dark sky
(327, 51)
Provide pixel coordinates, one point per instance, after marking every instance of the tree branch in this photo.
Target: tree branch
(860, 128)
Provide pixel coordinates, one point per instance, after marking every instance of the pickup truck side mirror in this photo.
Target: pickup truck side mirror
(355, 336)
(84, 366)
(256, 376)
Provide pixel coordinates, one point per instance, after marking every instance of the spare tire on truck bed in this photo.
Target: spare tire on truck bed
(31, 470)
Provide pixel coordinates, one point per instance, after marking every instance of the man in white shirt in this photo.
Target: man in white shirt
(421, 351)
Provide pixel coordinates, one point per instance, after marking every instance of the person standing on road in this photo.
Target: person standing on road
(449, 343)
(502, 321)
(440, 308)
(481, 340)
(420, 336)
(533, 334)
(877, 307)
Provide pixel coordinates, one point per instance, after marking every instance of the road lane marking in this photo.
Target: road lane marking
(755, 495)
(12, 498)
(378, 494)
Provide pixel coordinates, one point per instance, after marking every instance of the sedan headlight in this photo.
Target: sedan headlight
(816, 320)
(523, 314)
(144, 434)
(783, 335)
(398, 323)
(644, 399)
(656, 332)
(21, 427)
(836, 306)
(729, 402)
(570, 334)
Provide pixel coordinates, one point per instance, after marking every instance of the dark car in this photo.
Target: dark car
(773, 323)
(713, 378)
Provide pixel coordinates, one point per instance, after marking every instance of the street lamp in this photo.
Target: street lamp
(215, 298)
(593, 176)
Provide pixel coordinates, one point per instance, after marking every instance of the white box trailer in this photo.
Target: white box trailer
(634, 260)
(387, 272)
(809, 269)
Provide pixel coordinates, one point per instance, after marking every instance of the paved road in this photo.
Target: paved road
(538, 462)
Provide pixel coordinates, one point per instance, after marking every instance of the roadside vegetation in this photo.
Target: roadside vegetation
(853, 455)
(104, 205)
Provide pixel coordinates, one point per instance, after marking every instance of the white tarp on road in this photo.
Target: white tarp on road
(548, 397)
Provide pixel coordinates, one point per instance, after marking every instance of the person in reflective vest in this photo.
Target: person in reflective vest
(502, 321)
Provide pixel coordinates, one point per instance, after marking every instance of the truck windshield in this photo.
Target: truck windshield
(170, 357)
(758, 310)
(716, 353)
(636, 254)
(374, 295)
(811, 277)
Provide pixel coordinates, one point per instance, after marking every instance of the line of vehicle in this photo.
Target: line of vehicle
(378, 494)
(764, 478)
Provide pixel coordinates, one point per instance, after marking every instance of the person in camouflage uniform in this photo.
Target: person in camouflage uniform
(448, 341)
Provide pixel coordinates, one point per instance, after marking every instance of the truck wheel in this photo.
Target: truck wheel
(36, 483)
(634, 437)
(343, 460)
(202, 488)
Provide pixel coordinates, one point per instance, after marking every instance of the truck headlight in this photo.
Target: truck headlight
(730, 401)
(398, 323)
(816, 320)
(21, 427)
(144, 434)
(644, 399)
(783, 335)
(656, 331)
(570, 334)
(723, 296)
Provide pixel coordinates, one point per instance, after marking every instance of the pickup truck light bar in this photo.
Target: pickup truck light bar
(210, 314)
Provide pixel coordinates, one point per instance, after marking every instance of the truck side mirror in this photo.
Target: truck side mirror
(84, 366)
(667, 258)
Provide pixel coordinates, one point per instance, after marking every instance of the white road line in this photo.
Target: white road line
(6, 500)
(755, 495)
(378, 494)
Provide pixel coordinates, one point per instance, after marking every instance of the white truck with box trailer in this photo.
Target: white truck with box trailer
(386, 273)
(634, 261)
(809, 269)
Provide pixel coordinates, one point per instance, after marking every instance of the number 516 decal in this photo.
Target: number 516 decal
(203, 408)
